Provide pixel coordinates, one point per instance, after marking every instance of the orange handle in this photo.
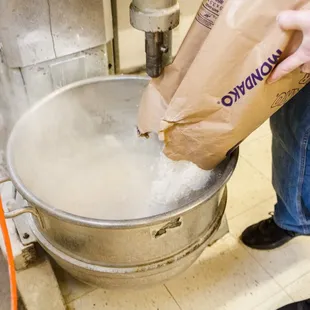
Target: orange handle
(10, 258)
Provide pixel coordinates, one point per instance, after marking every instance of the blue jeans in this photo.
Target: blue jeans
(291, 163)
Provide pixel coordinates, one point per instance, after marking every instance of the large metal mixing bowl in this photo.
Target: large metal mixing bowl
(114, 253)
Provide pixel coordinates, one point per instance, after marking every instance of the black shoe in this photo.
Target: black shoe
(300, 305)
(266, 235)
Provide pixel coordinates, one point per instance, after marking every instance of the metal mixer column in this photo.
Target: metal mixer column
(156, 19)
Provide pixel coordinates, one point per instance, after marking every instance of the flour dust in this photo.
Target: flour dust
(73, 164)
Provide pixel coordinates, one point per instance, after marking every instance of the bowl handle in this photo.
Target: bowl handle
(171, 225)
(21, 210)
(4, 177)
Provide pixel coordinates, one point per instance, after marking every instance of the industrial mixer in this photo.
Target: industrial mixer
(97, 251)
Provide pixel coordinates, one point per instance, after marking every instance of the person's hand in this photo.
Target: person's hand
(294, 20)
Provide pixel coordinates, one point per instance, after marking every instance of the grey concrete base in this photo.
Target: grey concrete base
(39, 288)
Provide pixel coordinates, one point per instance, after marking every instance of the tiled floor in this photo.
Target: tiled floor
(228, 275)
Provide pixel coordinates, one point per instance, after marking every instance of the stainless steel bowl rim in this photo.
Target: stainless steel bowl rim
(100, 223)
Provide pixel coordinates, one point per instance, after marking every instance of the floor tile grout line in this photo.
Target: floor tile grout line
(283, 287)
(250, 208)
(257, 170)
(172, 297)
(249, 252)
(81, 296)
(291, 283)
(282, 291)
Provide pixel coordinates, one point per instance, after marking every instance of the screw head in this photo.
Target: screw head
(26, 236)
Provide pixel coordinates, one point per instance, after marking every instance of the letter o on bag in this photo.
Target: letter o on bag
(266, 65)
(227, 101)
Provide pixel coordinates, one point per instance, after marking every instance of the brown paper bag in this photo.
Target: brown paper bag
(223, 96)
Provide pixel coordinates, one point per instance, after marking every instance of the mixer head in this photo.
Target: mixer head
(156, 19)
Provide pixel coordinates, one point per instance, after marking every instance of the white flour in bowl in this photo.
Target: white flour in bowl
(175, 181)
(73, 163)
(109, 179)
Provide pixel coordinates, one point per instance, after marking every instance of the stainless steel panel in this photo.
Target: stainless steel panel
(59, 72)
(25, 32)
(80, 24)
(36, 31)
